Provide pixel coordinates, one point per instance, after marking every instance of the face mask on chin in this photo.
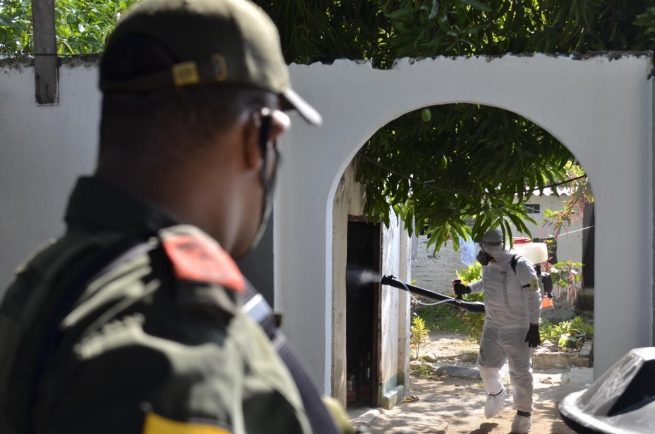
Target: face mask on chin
(267, 178)
(266, 215)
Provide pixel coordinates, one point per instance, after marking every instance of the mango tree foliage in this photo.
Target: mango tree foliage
(15, 27)
(381, 31)
(458, 170)
(580, 195)
(81, 26)
(459, 164)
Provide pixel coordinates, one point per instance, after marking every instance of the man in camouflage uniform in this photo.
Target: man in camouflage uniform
(134, 320)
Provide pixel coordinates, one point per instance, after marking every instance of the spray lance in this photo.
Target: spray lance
(357, 277)
(470, 306)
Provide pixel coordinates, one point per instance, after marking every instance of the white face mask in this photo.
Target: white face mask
(493, 251)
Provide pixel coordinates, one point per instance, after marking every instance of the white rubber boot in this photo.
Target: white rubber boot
(494, 404)
(521, 424)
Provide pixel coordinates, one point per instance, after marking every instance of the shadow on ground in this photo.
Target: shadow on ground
(453, 405)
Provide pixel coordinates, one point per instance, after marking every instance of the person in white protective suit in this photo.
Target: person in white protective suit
(511, 326)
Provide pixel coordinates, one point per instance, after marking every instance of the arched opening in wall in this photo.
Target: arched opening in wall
(445, 174)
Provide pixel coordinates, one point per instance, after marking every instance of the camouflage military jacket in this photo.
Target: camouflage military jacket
(131, 323)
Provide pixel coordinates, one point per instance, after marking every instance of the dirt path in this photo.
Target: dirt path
(452, 405)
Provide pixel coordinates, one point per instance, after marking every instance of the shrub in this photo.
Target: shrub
(472, 321)
(419, 334)
(470, 273)
(567, 275)
(567, 334)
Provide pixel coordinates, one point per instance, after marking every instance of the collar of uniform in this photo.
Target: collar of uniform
(96, 204)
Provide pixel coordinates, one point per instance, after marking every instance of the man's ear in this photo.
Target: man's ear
(252, 157)
(278, 122)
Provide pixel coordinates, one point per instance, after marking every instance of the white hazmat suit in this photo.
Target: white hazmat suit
(512, 302)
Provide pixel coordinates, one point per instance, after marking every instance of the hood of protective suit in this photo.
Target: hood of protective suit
(493, 243)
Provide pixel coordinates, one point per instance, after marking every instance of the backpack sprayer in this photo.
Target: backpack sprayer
(536, 253)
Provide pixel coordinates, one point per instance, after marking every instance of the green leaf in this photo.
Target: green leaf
(435, 9)
(426, 115)
(477, 5)
(399, 13)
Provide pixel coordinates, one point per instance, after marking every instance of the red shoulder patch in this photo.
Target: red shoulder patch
(199, 258)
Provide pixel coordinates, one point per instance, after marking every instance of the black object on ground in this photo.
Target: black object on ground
(621, 401)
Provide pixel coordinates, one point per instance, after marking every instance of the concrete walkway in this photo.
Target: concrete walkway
(451, 399)
(448, 405)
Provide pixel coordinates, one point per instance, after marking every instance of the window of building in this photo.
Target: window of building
(533, 208)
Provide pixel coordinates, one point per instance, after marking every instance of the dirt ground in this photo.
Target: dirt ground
(449, 405)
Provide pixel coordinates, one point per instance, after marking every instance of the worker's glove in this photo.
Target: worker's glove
(461, 289)
(532, 338)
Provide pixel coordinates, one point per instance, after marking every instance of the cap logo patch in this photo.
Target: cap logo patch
(185, 73)
(200, 259)
(220, 67)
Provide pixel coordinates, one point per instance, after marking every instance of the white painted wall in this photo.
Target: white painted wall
(436, 271)
(395, 318)
(599, 108)
(42, 151)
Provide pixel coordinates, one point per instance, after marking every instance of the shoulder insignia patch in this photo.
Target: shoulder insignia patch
(196, 256)
(155, 424)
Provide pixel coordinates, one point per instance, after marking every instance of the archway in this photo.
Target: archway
(444, 170)
(575, 100)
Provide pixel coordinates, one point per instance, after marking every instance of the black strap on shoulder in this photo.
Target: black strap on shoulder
(514, 261)
(258, 310)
